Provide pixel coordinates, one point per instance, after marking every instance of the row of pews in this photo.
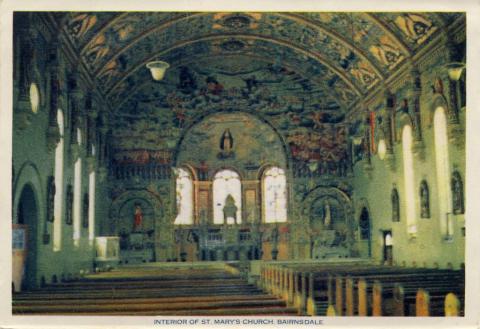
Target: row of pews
(152, 291)
(365, 290)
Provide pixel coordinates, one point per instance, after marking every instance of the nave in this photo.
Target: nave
(239, 163)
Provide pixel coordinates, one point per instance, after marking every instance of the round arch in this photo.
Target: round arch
(29, 175)
(438, 101)
(204, 116)
(25, 272)
(118, 203)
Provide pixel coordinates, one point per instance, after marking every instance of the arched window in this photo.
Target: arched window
(275, 195)
(443, 171)
(91, 208)
(227, 198)
(409, 180)
(184, 197)
(77, 195)
(58, 200)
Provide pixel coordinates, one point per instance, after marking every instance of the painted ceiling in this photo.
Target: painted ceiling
(300, 71)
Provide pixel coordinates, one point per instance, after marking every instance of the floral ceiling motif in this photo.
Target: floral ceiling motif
(301, 72)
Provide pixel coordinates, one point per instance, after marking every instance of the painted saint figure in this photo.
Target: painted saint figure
(327, 217)
(226, 144)
(137, 218)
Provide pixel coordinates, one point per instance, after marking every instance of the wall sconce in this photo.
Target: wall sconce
(455, 70)
(157, 69)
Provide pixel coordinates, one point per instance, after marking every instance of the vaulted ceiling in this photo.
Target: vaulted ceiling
(299, 70)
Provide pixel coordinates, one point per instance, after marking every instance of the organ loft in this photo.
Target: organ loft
(238, 163)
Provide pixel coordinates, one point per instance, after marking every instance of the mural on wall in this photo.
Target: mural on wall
(231, 139)
(329, 226)
(364, 49)
(286, 68)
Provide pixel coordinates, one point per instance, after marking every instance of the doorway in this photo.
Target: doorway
(27, 220)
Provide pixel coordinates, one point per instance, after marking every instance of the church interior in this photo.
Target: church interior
(308, 163)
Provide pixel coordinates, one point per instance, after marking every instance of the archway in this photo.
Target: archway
(25, 232)
(329, 213)
(137, 217)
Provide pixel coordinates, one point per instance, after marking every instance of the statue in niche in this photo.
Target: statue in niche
(457, 194)
(230, 209)
(395, 206)
(85, 210)
(50, 198)
(69, 205)
(424, 200)
(226, 145)
(327, 217)
(137, 218)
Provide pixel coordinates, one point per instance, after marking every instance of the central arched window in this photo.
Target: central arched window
(184, 197)
(275, 195)
(409, 180)
(443, 171)
(227, 198)
(58, 200)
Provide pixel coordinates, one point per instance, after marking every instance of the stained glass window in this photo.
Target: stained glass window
(443, 171)
(58, 200)
(408, 174)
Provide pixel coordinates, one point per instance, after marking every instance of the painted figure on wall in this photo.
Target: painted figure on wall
(327, 219)
(137, 218)
(213, 86)
(415, 26)
(226, 144)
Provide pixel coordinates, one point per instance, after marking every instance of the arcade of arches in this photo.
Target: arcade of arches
(272, 136)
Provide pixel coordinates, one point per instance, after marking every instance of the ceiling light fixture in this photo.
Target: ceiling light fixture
(157, 69)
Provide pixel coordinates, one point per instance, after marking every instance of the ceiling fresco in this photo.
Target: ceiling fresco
(301, 72)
